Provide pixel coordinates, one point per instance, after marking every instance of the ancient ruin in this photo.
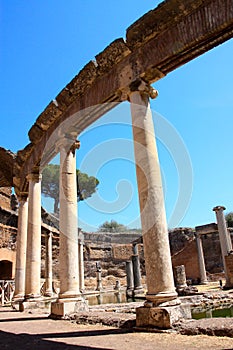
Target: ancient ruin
(159, 42)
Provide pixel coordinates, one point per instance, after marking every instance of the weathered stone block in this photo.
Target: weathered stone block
(111, 55)
(161, 317)
(62, 308)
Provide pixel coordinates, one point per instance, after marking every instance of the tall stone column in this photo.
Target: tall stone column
(49, 264)
(69, 293)
(81, 263)
(21, 247)
(33, 262)
(69, 269)
(225, 242)
(159, 274)
(201, 260)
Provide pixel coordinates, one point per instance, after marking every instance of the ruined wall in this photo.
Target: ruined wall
(5, 198)
(7, 251)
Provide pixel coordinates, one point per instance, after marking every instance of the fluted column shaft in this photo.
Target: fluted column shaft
(33, 264)
(160, 282)
(20, 271)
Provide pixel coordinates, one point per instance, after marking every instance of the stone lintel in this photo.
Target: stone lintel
(208, 228)
(161, 317)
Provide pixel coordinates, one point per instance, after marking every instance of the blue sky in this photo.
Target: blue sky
(44, 44)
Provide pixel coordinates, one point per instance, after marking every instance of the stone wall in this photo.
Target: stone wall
(5, 198)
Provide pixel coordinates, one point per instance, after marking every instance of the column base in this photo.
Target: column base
(38, 305)
(63, 307)
(18, 297)
(138, 291)
(204, 282)
(157, 299)
(69, 295)
(161, 317)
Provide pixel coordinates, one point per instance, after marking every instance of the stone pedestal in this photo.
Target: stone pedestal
(21, 248)
(160, 283)
(161, 317)
(64, 307)
(33, 259)
(201, 260)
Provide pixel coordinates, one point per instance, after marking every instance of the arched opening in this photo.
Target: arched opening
(5, 270)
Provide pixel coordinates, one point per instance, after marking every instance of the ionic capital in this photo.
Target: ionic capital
(144, 88)
(68, 144)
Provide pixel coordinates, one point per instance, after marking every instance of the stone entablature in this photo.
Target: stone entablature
(165, 38)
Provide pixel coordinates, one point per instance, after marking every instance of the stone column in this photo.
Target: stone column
(49, 264)
(68, 256)
(21, 247)
(33, 262)
(201, 260)
(81, 263)
(225, 243)
(129, 275)
(136, 271)
(159, 274)
(180, 278)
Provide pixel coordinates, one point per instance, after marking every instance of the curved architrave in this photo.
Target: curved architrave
(194, 28)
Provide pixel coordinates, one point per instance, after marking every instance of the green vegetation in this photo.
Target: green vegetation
(86, 185)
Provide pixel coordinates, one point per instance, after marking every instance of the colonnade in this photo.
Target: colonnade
(160, 283)
(28, 257)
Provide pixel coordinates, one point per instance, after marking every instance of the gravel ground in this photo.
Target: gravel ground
(32, 331)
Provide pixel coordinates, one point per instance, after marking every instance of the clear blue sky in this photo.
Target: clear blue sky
(44, 44)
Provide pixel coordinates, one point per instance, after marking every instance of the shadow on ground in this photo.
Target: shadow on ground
(25, 341)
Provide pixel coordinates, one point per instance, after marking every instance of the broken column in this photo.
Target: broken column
(99, 286)
(201, 260)
(225, 242)
(21, 247)
(159, 274)
(68, 255)
(138, 289)
(33, 257)
(48, 264)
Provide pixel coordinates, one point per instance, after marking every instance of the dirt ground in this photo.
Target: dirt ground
(25, 331)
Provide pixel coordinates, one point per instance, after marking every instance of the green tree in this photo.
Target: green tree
(229, 219)
(112, 226)
(86, 185)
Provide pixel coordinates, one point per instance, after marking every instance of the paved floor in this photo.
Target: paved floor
(32, 331)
